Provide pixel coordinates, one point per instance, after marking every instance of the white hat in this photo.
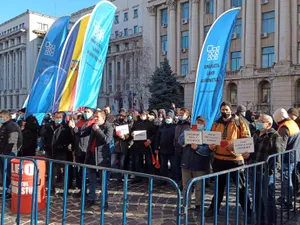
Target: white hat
(280, 114)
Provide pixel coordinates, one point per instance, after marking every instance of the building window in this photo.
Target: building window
(110, 89)
(45, 27)
(135, 29)
(298, 14)
(116, 19)
(237, 31)
(184, 67)
(117, 48)
(265, 92)
(298, 93)
(119, 70)
(126, 46)
(164, 43)
(39, 26)
(135, 13)
(164, 17)
(206, 29)
(232, 93)
(125, 32)
(185, 11)
(116, 34)
(235, 61)
(268, 22)
(298, 52)
(236, 3)
(267, 57)
(209, 6)
(110, 72)
(125, 16)
(127, 68)
(184, 39)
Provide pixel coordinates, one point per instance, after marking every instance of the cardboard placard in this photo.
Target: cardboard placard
(192, 137)
(212, 137)
(243, 145)
(123, 129)
(140, 135)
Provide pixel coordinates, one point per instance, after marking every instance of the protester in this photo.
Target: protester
(121, 144)
(98, 154)
(241, 113)
(109, 116)
(294, 115)
(10, 143)
(164, 145)
(267, 142)
(58, 141)
(161, 115)
(231, 128)
(286, 129)
(82, 131)
(30, 137)
(195, 161)
(182, 125)
(141, 148)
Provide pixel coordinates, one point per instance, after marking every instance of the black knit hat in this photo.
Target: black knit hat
(293, 111)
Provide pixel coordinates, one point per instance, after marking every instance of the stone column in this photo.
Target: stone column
(23, 77)
(250, 31)
(158, 39)
(284, 31)
(258, 31)
(172, 33)
(17, 74)
(195, 36)
(201, 24)
(220, 7)
(152, 33)
(5, 72)
(294, 26)
(276, 33)
(178, 37)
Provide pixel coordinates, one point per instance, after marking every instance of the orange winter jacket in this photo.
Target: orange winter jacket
(231, 130)
(291, 125)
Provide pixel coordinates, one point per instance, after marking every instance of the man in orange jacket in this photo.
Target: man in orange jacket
(231, 128)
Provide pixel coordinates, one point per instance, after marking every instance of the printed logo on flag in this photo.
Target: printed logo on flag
(99, 32)
(74, 65)
(49, 49)
(213, 52)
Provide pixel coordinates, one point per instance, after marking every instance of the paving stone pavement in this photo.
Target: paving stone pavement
(164, 208)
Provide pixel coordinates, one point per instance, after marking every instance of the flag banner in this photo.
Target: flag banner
(94, 55)
(46, 67)
(68, 67)
(212, 68)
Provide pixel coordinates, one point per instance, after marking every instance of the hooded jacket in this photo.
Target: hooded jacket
(164, 139)
(30, 134)
(10, 138)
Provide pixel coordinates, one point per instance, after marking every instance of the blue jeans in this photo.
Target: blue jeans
(288, 184)
(93, 183)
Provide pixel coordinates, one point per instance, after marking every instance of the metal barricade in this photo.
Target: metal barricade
(105, 173)
(5, 172)
(237, 173)
(288, 164)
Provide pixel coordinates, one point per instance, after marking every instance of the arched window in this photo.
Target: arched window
(265, 92)
(298, 93)
(232, 93)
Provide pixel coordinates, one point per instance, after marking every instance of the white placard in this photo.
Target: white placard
(140, 135)
(192, 137)
(123, 129)
(243, 145)
(212, 137)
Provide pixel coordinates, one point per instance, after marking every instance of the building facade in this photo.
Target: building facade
(263, 68)
(20, 41)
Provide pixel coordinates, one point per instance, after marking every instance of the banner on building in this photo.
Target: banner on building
(68, 67)
(94, 55)
(43, 84)
(212, 68)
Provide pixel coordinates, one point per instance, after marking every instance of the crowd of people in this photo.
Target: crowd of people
(92, 137)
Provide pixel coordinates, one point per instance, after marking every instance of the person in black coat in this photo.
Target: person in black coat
(58, 138)
(109, 116)
(164, 145)
(10, 143)
(121, 143)
(98, 154)
(30, 136)
(142, 147)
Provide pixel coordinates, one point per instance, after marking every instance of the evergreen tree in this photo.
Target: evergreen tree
(164, 88)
